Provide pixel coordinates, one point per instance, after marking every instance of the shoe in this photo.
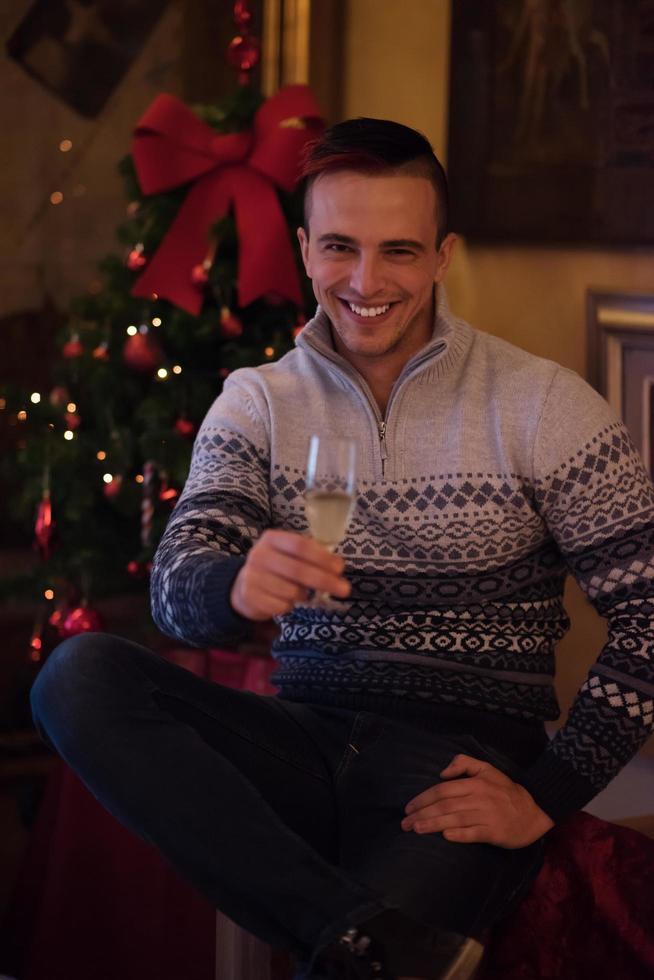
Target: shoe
(360, 953)
(353, 956)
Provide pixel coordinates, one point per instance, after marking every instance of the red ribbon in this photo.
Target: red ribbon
(173, 147)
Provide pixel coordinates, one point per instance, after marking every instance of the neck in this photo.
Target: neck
(382, 371)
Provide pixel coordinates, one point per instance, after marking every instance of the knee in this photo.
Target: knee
(63, 691)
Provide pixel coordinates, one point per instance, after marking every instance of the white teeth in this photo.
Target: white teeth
(369, 310)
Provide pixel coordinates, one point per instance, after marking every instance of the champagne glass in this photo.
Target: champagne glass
(330, 492)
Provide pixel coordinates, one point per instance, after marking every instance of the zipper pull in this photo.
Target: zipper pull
(382, 445)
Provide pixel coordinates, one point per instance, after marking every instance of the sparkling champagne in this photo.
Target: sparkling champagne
(328, 513)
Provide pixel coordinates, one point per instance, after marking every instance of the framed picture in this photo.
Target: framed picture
(550, 121)
(80, 49)
(621, 361)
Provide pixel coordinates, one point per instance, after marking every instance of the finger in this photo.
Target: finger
(441, 809)
(464, 765)
(302, 573)
(441, 791)
(468, 835)
(305, 549)
(448, 821)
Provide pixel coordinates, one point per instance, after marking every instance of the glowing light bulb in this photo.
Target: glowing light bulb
(162, 373)
(177, 369)
(269, 351)
(139, 478)
(101, 455)
(108, 477)
(48, 594)
(69, 434)
(56, 197)
(156, 321)
(71, 407)
(22, 415)
(66, 145)
(131, 330)
(35, 398)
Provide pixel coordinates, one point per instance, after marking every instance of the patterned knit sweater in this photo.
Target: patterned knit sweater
(493, 475)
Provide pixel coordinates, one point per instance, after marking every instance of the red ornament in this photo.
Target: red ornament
(72, 348)
(44, 526)
(142, 353)
(72, 420)
(82, 619)
(230, 325)
(136, 259)
(138, 569)
(36, 644)
(200, 273)
(56, 619)
(242, 14)
(184, 427)
(112, 488)
(168, 494)
(101, 352)
(59, 396)
(243, 53)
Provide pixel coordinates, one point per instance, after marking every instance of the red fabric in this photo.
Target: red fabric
(173, 147)
(589, 913)
(94, 901)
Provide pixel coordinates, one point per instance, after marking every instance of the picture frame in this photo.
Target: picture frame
(80, 49)
(549, 139)
(621, 360)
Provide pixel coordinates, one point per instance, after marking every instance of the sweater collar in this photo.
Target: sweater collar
(450, 338)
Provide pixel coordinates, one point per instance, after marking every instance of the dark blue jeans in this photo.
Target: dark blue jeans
(285, 815)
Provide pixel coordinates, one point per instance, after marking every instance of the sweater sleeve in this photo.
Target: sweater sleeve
(593, 492)
(223, 508)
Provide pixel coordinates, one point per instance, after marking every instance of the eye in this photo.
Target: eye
(401, 252)
(337, 247)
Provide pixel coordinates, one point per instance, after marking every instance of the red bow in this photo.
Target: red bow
(173, 147)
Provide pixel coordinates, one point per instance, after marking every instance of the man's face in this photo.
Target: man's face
(371, 255)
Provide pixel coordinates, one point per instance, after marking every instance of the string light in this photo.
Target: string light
(22, 415)
(48, 594)
(71, 407)
(101, 455)
(139, 478)
(131, 330)
(56, 197)
(69, 434)
(156, 321)
(162, 373)
(269, 351)
(177, 368)
(66, 145)
(108, 477)
(35, 398)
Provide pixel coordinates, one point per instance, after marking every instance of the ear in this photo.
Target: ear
(445, 253)
(304, 248)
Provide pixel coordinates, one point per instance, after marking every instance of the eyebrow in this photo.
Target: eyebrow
(389, 243)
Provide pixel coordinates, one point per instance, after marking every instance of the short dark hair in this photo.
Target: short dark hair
(376, 146)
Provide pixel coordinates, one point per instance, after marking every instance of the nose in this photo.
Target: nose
(366, 276)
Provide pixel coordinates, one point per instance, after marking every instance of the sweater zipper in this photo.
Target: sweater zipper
(382, 446)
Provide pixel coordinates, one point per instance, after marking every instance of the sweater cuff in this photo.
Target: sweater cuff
(218, 612)
(557, 788)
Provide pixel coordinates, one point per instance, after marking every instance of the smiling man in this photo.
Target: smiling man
(382, 812)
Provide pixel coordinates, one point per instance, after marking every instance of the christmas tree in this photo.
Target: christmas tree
(210, 280)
